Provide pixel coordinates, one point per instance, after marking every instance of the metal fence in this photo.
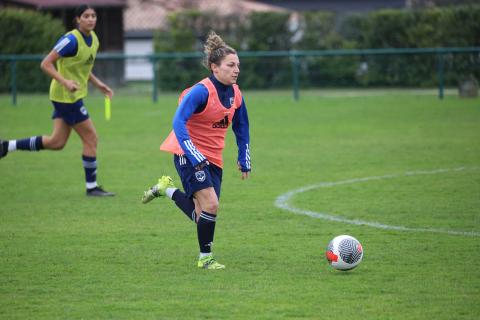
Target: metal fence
(293, 69)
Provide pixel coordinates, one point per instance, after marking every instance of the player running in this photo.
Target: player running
(74, 55)
(200, 124)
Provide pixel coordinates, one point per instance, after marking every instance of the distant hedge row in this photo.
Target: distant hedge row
(26, 32)
(438, 27)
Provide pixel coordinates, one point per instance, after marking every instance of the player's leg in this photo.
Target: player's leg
(88, 135)
(165, 187)
(59, 137)
(208, 202)
(33, 143)
(55, 141)
(202, 188)
(62, 126)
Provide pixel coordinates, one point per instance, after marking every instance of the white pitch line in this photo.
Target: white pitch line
(282, 202)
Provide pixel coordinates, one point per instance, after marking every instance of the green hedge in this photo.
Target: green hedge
(319, 33)
(187, 33)
(29, 32)
(438, 27)
(26, 32)
(266, 32)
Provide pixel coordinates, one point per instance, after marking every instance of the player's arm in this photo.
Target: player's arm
(194, 99)
(241, 128)
(65, 47)
(100, 85)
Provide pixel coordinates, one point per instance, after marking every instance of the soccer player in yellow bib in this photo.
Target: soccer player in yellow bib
(74, 55)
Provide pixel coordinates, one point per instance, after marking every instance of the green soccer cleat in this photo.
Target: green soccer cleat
(210, 263)
(158, 190)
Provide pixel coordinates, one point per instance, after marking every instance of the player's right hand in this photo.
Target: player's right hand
(71, 85)
(202, 165)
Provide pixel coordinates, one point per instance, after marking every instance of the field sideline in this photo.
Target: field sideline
(64, 256)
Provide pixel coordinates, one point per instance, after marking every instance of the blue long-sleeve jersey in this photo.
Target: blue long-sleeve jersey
(195, 101)
(67, 45)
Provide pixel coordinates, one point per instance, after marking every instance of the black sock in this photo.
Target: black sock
(30, 144)
(205, 231)
(90, 167)
(185, 204)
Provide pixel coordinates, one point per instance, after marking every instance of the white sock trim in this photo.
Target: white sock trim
(204, 254)
(169, 192)
(12, 145)
(91, 185)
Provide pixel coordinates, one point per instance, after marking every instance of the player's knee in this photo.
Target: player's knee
(54, 144)
(211, 207)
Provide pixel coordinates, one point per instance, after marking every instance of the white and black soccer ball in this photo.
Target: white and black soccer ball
(344, 252)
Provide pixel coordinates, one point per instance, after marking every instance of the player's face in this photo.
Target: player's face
(87, 21)
(228, 70)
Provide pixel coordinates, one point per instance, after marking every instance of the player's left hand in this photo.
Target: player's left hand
(245, 174)
(106, 90)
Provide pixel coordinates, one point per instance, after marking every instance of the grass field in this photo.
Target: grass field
(65, 256)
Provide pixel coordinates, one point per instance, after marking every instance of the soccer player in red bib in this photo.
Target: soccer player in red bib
(200, 124)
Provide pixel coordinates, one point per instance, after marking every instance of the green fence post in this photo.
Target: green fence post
(155, 79)
(14, 81)
(294, 58)
(441, 80)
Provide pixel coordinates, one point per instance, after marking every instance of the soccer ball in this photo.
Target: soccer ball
(344, 252)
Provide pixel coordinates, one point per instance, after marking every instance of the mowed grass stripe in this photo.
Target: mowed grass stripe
(66, 256)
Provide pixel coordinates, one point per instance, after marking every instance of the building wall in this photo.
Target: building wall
(138, 69)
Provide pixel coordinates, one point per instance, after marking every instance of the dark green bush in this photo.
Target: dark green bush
(187, 33)
(427, 28)
(432, 28)
(26, 32)
(267, 31)
(319, 33)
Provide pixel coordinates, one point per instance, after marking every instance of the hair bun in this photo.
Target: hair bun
(215, 49)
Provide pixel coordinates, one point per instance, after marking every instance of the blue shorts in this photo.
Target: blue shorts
(71, 113)
(195, 180)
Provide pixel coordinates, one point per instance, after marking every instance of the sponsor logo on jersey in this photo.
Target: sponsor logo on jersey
(221, 124)
(90, 59)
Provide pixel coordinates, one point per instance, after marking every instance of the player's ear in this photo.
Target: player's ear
(213, 67)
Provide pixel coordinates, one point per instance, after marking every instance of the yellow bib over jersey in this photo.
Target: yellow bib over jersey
(75, 68)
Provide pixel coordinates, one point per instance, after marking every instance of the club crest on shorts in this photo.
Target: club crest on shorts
(200, 176)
